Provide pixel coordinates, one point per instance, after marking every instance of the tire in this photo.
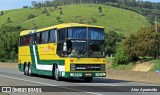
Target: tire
(56, 75)
(89, 79)
(29, 70)
(25, 69)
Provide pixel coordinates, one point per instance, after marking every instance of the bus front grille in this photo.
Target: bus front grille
(87, 67)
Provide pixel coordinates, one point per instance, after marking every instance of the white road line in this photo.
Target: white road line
(94, 93)
(107, 84)
(27, 80)
(50, 85)
(96, 84)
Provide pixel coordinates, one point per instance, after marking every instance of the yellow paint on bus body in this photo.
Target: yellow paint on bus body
(24, 54)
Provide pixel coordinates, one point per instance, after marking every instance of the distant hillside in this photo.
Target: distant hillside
(120, 20)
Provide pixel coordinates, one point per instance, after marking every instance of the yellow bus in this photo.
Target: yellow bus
(69, 50)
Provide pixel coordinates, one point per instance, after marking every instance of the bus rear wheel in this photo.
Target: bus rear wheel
(29, 73)
(25, 69)
(89, 79)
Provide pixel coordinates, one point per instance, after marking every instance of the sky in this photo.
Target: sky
(15, 4)
(152, 0)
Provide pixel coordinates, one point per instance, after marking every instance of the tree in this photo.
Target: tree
(9, 20)
(25, 7)
(146, 42)
(31, 16)
(45, 11)
(2, 13)
(12, 55)
(61, 12)
(121, 57)
(34, 4)
(112, 38)
(59, 19)
(9, 42)
(100, 9)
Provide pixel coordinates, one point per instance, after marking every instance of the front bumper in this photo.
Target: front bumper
(83, 74)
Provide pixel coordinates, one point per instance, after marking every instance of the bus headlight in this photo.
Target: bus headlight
(72, 66)
(102, 67)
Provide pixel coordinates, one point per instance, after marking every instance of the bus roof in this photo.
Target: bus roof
(59, 26)
(25, 32)
(66, 25)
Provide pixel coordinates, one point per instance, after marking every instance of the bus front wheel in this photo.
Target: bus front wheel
(56, 75)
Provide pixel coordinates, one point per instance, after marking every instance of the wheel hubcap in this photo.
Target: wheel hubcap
(26, 70)
(30, 70)
(56, 72)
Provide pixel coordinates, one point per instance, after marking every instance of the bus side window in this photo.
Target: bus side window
(28, 40)
(61, 34)
(21, 41)
(44, 37)
(52, 35)
(37, 38)
(33, 41)
(24, 41)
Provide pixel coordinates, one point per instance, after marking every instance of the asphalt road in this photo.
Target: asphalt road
(99, 86)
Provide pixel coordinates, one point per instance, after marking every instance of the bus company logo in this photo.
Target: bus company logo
(47, 48)
(6, 89)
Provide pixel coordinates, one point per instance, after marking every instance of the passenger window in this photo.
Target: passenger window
(52, 36)
(61, 34)
(37, 38)
(44, 37)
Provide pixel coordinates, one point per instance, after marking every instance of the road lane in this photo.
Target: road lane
(12, 77)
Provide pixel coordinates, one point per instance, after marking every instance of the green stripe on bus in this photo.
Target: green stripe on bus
(42, 62)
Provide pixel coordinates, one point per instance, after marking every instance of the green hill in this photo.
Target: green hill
(119, 20)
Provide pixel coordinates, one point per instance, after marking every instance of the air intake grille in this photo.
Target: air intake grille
(87, 67)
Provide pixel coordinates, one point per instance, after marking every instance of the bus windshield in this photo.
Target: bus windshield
(81, 33)
(96, 33)
(77, 33)
(79, 44)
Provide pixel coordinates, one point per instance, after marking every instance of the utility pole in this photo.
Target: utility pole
(157, 38)
(156, 24)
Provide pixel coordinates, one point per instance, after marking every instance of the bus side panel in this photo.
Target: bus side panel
(42, 56)
(36, 62)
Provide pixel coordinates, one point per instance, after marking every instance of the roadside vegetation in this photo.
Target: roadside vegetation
(141, 46)
(156, 65)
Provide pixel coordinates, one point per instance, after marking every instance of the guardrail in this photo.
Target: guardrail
(8, 65)
(147, 77)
